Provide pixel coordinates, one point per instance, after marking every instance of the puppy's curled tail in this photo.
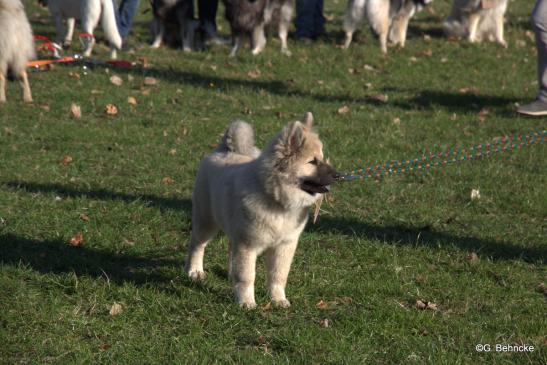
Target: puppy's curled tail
(239, 138)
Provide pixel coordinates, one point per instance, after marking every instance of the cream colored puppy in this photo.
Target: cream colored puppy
(260, 200)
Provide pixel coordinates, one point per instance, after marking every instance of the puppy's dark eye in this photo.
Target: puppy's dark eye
(313, 162)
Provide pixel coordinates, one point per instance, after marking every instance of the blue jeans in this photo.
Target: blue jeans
(125, 14)
(539, 22)
(310, 22)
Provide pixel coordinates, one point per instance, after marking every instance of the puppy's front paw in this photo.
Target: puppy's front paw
(283, 303)
(248, 305)
(196, 275)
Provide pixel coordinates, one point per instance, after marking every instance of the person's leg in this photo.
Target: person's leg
(207, 10)
(126, 13)
(539, 22)
(304, 22)
(318, 19)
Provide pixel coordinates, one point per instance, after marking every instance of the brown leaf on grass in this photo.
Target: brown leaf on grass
(44, 107)
(426, 305)
(75, 110)
(325, 323)
(116, 80)
(96, 92)
(145, 92)
(473, 258)
(111, 109)
(467, 90)
(74, 74)
(383, 98)
(397, 121)
(131, 100)
(254, 74)
(115, 309)
(483, 114)
(172, 151)
(84, 217)
(130, 78)
(150, 81)
(105, 347)
(266, 307)
(168, 180)
(427, 53)
(77, 240)
(542, 288)
(530, 35)
(67, 160)
(343, 109)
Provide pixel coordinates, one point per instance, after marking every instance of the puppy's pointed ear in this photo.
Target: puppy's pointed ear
(294, 139)
(307, 120)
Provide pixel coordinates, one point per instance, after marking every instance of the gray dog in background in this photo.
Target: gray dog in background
(260, 200)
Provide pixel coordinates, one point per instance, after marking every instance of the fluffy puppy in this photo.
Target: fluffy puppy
(260, 200)
(477, 20)
(174, 14)
(252, 17)
(387, 18)
(16, 46)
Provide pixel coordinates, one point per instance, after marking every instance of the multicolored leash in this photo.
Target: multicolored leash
(450, 157)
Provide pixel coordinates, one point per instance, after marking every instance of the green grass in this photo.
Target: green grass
(376, 250)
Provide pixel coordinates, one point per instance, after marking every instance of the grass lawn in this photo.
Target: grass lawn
(124, 183)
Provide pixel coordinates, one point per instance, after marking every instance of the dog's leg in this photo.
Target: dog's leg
(258, 39)
(202, 233)
(284, 23)
(23, 81)
(69, 32)
(378, 17)
(159, 31)
(473, 27)
(499, 30)
(278, 263)
(243, 274)
(2, 85)
(238, 41)
(355, 12)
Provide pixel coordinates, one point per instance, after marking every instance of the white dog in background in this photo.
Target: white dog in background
(16, 46)
(477, 20)
(90, 12)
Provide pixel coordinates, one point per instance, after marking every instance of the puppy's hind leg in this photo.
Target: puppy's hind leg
(278, 263)
(499, 30)
(378, 17)
(2, 85)
(159, 31)
(238, 41)
(202, 233)
(473, 20)
(70, 22)
(284, 23)
(355, 13)
(23, 81)
(243, 265)
(258, 40)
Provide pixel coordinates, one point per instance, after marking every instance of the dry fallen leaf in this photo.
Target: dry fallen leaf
(325, 323)
(483, 114)
(318, 203)
(75, 110)
(254, 74)
(322, 304)
(77, 240)
(150, 81)
(267, 306)
(168, 180)
(172, 151)
(111, 109)
(343, 110)
(115, 309)
(383, 98)
(473, 257)
(131, 100)
(426, 305)
(66, 160)
(475, 194)
(44, 107)
(397, 121)
(542, 288)
(116, 80)
(84, 217)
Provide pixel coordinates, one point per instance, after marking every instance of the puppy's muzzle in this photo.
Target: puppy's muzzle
(326, 175)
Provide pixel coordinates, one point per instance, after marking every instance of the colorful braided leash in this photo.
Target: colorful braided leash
(450, 157)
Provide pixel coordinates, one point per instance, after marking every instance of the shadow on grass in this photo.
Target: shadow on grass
(160, 271)
(169, 203)
(456, 102)
(426, 236)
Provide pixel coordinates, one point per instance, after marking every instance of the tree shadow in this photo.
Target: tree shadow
(163, 203)
(426, 236)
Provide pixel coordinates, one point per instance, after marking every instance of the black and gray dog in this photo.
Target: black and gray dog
(387, 18)
(250, 18)
(174, 14)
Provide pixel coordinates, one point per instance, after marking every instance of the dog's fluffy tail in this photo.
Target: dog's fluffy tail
(239, 138)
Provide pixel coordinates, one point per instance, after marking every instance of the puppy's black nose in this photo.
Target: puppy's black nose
(336, 175)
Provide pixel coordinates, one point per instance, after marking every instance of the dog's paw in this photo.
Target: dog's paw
(283, 303)
(196, 275)
(286, 52)
(248, 305)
